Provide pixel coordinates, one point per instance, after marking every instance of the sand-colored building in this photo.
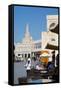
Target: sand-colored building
(27, 47)
(50, 37)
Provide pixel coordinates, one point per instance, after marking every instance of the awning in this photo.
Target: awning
(55, 30)
(52, 47)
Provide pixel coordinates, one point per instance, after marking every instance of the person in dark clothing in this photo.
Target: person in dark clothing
(53, 58)
(50, 67)
(56, 71)
(57, 60)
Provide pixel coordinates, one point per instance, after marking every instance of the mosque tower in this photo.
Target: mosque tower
(27, 34)
(27, 38)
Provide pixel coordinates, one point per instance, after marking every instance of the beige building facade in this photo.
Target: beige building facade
(49, 38)
(27, 47)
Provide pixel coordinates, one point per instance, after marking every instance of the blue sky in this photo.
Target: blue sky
(35, 17)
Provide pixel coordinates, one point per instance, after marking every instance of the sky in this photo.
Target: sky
(35, 17)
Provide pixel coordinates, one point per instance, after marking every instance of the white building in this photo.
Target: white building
(27, 47)
(50, 37)
(52, 21)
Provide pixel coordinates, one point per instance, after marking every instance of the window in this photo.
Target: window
(52, 39)
(18, 54)
(25, 55)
